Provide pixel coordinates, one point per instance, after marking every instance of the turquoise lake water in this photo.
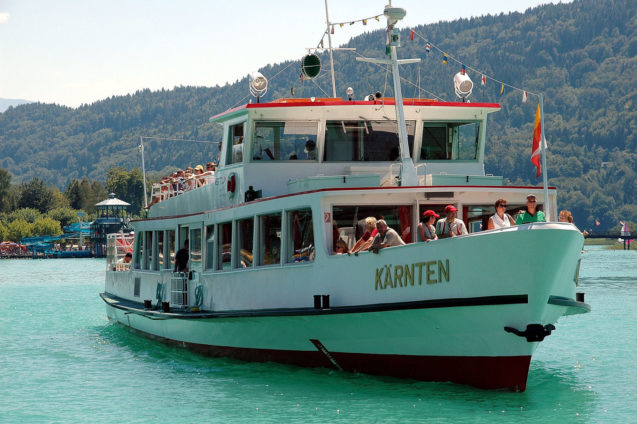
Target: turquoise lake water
(62, 361)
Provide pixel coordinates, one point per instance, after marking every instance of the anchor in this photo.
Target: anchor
(533, 332)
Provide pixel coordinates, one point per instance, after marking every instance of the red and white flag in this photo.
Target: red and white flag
(537, 136)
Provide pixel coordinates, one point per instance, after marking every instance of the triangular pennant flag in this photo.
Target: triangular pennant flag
(444, 59)
(341, 24)
(502, 89)
(463, 70)
(483, 81)
(411, 34)
(525, 97)
(364, 21)
(427, 48)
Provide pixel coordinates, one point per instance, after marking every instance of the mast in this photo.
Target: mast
(408, 173)
(141, 150)
(329, 42)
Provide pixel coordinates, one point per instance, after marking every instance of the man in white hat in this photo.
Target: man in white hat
(531, 214)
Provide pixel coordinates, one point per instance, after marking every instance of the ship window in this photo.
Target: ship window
(348, 222)
(148, 250)
(234, 152)
(224, 248)
(245, 237)
(160, 251)
(270, 239)
(210, 246)
(139, 250)
(195, 249)
(450, 141)
(300, 236)
(368, 141)
(169, 263)
(284, 141)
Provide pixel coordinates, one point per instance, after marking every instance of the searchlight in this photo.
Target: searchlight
(463, 85)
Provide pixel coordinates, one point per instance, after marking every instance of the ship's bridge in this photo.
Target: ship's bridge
(295, 145)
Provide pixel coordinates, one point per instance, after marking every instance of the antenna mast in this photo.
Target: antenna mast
(329, 42)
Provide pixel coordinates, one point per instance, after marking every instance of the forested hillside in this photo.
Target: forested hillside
(581, 56)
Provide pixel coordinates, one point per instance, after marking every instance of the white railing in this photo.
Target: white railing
(117, 246)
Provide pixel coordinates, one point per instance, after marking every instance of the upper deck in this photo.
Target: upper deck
(292, 145)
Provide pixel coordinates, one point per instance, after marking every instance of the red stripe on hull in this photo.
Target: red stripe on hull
(485, 372)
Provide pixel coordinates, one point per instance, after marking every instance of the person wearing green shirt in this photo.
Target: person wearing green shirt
(531, 214)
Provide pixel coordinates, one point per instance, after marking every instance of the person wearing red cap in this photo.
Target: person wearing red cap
(450, 226)
(426, 229)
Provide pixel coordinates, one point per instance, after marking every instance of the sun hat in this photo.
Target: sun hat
(199, 167)
(528, 196)
(450, 208)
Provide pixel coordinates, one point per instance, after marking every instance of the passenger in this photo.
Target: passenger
(426, 228)
(341, 247)
(386, 237)
(531, 214)
(367, 238)
(566, 216)
(450, 226)
(181, 258)
(310, 149)
(127, 258)
(199, 177)
(209, 175)
(500, 219)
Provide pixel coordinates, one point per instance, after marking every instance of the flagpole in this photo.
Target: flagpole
(547, 202)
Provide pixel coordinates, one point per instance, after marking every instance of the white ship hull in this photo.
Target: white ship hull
(440, 317)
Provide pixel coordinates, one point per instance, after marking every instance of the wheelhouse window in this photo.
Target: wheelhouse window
(270, 239)
(224, 252)
(234, 153)
(138, 255)
(284, 141)
(245, 238)
(450, 141)
(348, 222)
(300, 236)
(369, 141)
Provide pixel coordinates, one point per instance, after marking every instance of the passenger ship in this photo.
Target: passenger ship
(264, 283)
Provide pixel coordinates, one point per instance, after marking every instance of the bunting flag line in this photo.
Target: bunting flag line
(444, 59)
(463, 70)
(537, 136)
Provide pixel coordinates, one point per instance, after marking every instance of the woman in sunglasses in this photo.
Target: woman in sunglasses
(501, 218)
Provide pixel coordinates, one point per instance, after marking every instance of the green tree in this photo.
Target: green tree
(127, 186)
(5, 186)
(29, 215)
(19, 229)
(3, 232)
(66, 216)
(46, 227)
(35, 194)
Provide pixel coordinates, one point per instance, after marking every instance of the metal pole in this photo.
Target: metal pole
(547, 207)
(329, 41)
(141, 150)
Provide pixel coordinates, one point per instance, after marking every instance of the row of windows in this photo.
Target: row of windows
(234, 244)
(353, 141)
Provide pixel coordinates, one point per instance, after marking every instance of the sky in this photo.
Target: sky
(74, 52)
